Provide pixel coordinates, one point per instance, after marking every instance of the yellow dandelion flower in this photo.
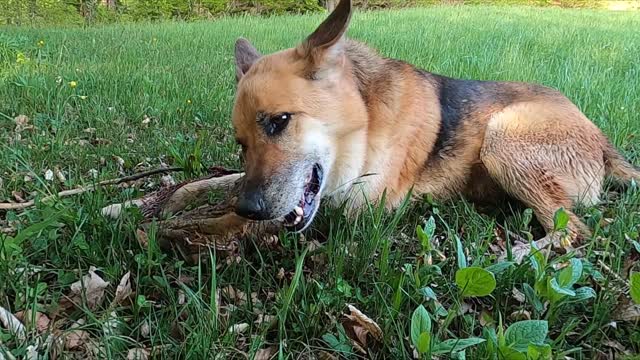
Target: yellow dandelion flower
(189, 101)
(73, 84)
(41, 43)
(21, 58)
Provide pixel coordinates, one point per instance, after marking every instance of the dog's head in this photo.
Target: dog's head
(291, 109)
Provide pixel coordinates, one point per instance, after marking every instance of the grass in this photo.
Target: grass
(181, 76)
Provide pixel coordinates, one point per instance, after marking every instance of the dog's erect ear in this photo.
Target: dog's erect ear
(246, 55)
(325, 45)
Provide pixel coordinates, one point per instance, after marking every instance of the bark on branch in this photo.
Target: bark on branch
(197, 214)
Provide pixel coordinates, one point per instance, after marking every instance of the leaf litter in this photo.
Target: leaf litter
(92, 286)
(358, 327)
(123, 291)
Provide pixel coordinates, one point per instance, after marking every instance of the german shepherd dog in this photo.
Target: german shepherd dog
(314, 119)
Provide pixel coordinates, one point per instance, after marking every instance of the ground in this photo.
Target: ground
(100, 102)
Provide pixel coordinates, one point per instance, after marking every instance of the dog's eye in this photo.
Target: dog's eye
(276, 123)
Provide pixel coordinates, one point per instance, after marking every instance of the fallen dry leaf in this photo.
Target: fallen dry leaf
(358, 326)
(318, 258)
(41, 320)
(18, 196)
(617, 347)
(100, 141)
(21, 122)
(271, 240)
(265, 354)
(520, 315)
(124, 289)
(145, 329)
(11, 323)
(75, 339)
(233, 259)
(92, 286)
(59, 175)
(236, 296)
(32, 353)
(48, 175)
(365, 321)
(358, 347)
(265, 320)
(239, 328)
(361, 334)
(138, 354)
(466, 308)
(313, 245)
(518, 295)
(120, 162)
(185, 280)
(182, 298)
(627, 311)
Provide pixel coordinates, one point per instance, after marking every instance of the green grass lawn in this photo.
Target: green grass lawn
(181, 77)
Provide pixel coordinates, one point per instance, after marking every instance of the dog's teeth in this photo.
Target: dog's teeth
(299, 211)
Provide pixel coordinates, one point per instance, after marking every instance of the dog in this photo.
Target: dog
(333, 119)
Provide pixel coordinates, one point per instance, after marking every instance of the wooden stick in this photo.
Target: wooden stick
(80, 190)
(174, 199)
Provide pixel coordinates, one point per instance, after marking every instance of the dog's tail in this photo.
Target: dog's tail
(618, 167)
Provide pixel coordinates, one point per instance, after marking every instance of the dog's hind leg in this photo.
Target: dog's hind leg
(540, 160)
(537, 188)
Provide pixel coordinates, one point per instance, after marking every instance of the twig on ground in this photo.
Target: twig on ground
(622, 282)
(80, 190)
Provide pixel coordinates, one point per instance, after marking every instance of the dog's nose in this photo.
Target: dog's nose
(251, 206)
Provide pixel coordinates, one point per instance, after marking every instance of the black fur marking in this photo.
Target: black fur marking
(458, 99)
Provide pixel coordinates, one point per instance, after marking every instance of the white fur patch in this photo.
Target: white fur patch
(342, 159)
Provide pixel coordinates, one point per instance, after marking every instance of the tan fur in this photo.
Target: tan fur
(378, 121)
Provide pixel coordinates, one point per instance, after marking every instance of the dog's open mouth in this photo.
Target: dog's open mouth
(302, 215)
